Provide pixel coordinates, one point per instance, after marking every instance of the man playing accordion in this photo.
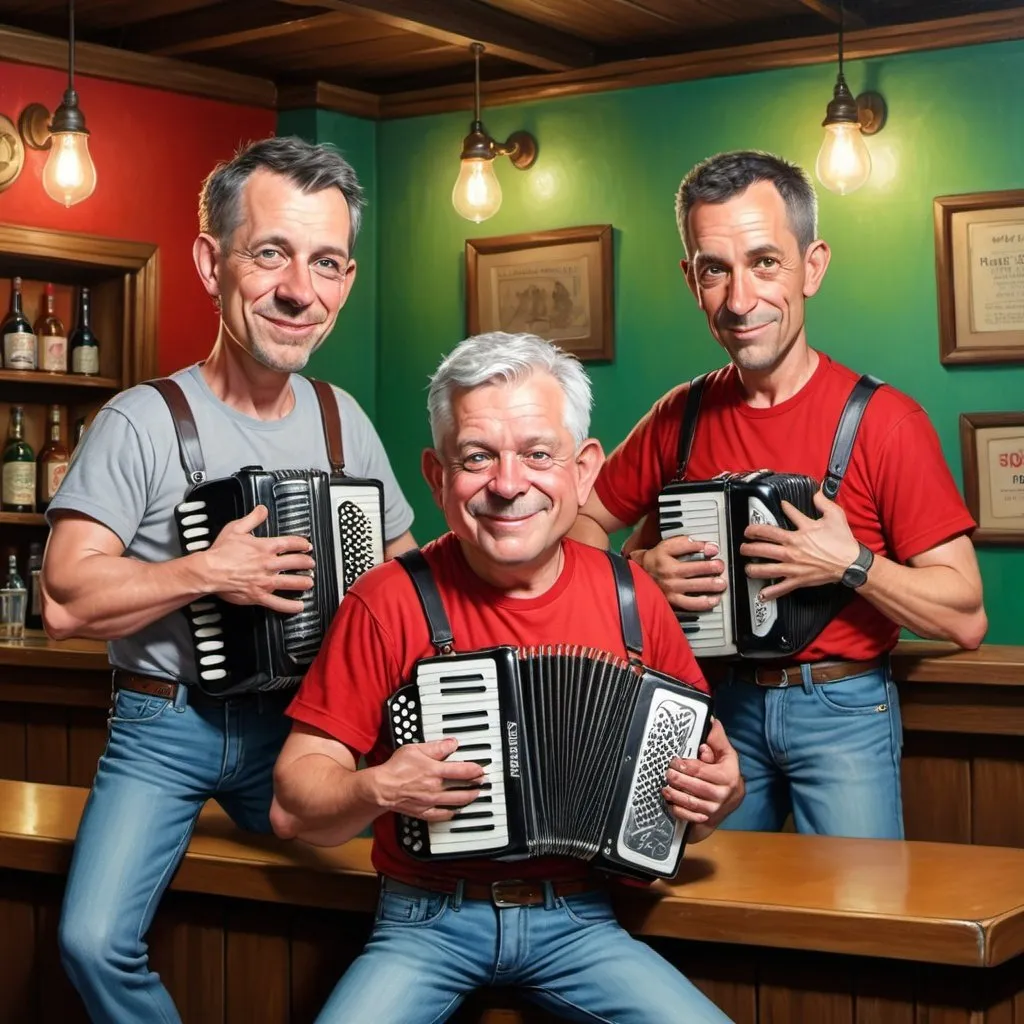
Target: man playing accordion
(817, 727)
(510, 467)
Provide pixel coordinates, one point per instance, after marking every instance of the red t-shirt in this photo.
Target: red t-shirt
(898, 494)
(380, 633)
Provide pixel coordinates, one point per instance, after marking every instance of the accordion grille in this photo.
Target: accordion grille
(292, 501)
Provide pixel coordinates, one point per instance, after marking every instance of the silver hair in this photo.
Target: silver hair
(724, 176)
(312, 167)
(508, 358)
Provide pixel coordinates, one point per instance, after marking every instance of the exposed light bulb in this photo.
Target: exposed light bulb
(843, 163)
(69, 175)
(477, 192)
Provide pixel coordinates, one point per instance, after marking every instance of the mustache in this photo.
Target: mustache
(512, 508)
(730, 321)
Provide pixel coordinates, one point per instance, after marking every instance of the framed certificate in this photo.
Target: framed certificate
(992, 446)
(979, 267)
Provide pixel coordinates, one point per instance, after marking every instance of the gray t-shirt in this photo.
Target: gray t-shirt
(127, 475)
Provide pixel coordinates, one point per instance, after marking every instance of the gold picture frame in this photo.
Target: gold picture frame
(979, 269)
(556, 284)
(992, 448)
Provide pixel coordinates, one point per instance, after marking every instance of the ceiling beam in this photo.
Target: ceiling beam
(461, 22)
(217, 28)
(834, 11)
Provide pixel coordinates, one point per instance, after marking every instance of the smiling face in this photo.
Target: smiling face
(509, 477)
(286, 272)
(749, 276)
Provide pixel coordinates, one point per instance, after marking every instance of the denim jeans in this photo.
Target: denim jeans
(428, 951)
(163, 761)
(828, 752)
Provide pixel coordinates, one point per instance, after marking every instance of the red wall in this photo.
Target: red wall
(152, 150)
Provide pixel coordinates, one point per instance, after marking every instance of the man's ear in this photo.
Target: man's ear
(348, 280)
(589, 460)
(433, 473)
(205, 252)
(816, 261)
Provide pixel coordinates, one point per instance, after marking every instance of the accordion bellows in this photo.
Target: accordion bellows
(743, 622)
(245, 648)
(574, 743)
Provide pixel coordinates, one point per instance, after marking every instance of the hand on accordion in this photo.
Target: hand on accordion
(689, 574)
(705, 789)
(244, 569)
(417, 780)
(814, 552)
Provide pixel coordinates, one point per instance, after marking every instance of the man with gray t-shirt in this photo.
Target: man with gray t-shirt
(274, 253)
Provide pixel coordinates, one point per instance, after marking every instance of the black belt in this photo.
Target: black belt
(508, 892)
(773, 675)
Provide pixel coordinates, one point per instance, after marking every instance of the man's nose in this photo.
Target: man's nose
(295, 286)
(742, 298)
(509, 480)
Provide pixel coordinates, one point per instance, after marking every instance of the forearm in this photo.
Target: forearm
(934, 601)
(104, 597)
(320, 801)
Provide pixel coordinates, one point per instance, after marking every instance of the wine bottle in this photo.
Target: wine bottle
(85, 349)
(34, 614)
(19, 472)
(52, 462)
(19, 341)
(51, 337)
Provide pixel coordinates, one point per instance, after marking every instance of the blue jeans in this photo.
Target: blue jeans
(429, 950)
(828, 752)
(163, 761)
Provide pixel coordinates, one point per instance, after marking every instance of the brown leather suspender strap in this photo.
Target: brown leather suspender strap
(331, 418)
(190, 450)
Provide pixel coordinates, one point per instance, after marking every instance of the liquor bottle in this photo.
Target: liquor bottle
(52, 462)
(85, 349)
(19, 472)
(12, 603)
(34, 614)
(52, 338)
(19, 341)
(79, 431)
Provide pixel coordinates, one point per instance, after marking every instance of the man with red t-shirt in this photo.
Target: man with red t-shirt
(820, 736)
(511, 467)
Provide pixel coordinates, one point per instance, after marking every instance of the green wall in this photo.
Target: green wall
(956, 124)
(349, 356)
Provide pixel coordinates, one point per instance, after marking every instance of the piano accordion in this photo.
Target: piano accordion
(575, 744)
(246, 648)
(743, 623)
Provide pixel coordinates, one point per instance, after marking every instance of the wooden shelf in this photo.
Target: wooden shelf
(22, 518)
(76, 380)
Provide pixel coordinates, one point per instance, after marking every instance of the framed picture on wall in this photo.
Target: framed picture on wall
(979, 267)
(992, 447)
(556, 284)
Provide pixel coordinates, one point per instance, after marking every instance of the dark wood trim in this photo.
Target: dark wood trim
(834, 12)
(137, 68)
(461, 22)
(36, 652)
(989, 27)
(969, 424)
(325, 96)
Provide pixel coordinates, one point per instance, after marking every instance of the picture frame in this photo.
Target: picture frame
(992, 449)
(556, 284)
(979, 269)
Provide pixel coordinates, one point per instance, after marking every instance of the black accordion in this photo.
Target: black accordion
(246, 648)
(575, 744)
(718, 511)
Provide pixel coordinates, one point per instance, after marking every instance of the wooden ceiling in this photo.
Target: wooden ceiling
(370, 52)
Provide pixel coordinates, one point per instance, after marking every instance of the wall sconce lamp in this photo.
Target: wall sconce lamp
(69, 175)
(844, 163)
(477, 192)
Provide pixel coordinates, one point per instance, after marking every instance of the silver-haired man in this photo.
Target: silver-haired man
(510, 467)
(277, 226)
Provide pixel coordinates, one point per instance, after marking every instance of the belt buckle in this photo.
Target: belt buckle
(503, 901)
(783, 682)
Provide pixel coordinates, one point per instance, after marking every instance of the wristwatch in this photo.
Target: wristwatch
(857, 574)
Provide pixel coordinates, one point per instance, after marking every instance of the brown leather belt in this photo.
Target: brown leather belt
(786, 675)
(509, 892)
(168, 689)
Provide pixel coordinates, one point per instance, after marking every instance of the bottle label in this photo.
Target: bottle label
(85, 359)
(19, 484)
(53, 354)
(20, 351)
(52, 476)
